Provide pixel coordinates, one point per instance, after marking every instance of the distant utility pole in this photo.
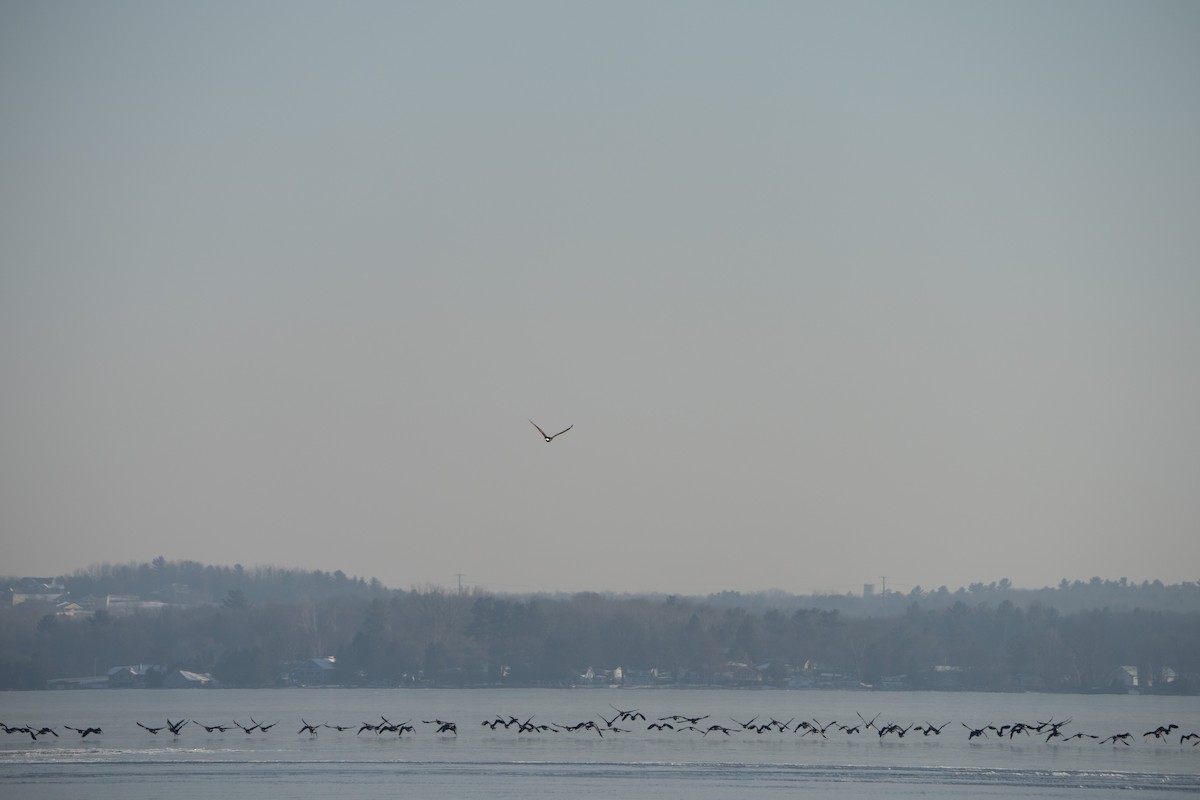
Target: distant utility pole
(883, 591)
(459, 574)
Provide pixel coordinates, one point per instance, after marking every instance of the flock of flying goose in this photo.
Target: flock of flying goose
(624, 721)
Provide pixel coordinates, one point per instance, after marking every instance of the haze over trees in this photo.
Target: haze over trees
(243, 626)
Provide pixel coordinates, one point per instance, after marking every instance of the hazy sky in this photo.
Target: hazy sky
(829, 291)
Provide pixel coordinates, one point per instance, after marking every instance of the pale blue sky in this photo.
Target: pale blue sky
(829, 291)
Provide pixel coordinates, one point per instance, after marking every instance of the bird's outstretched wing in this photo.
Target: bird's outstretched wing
(547, 436)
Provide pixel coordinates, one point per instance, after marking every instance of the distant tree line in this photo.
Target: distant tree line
(190, 580)
(266, 618)
(1067, 596)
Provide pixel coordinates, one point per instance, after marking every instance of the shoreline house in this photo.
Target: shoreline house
(131, 676)
(1126, 676)
(182, 679)
(320, 671)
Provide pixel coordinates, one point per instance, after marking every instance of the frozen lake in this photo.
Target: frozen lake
(128, 762)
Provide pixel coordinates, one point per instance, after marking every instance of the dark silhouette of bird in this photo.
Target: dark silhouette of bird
(975, 731)
(681, 718)
(262, 727)
(340, 728)
(247, 728)
(152, 730)
(1050, 722)
(507, 723)
(891, 727)
(632, 715)
(1019, 727)
(586, 725)
(1081, 736)
(658, 726)
(1161, 732)
(1055, 730)
(387, 726)
(547, 436)
(176, 727)
(747, 725)
(610, 725)
(868, 723)
(936, 730)
(717, 729)
(312, 729)
(84, 732)
(822, 728)
(211, 728)
(528, 727)
(1184, 737)
(1123, 738)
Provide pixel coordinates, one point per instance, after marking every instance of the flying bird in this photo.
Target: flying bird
(81, 731)
(547, 436)
(976, 731)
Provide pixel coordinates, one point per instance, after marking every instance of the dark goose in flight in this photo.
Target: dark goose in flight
(547, 436)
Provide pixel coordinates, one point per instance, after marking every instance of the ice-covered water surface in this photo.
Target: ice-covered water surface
(126, 761)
